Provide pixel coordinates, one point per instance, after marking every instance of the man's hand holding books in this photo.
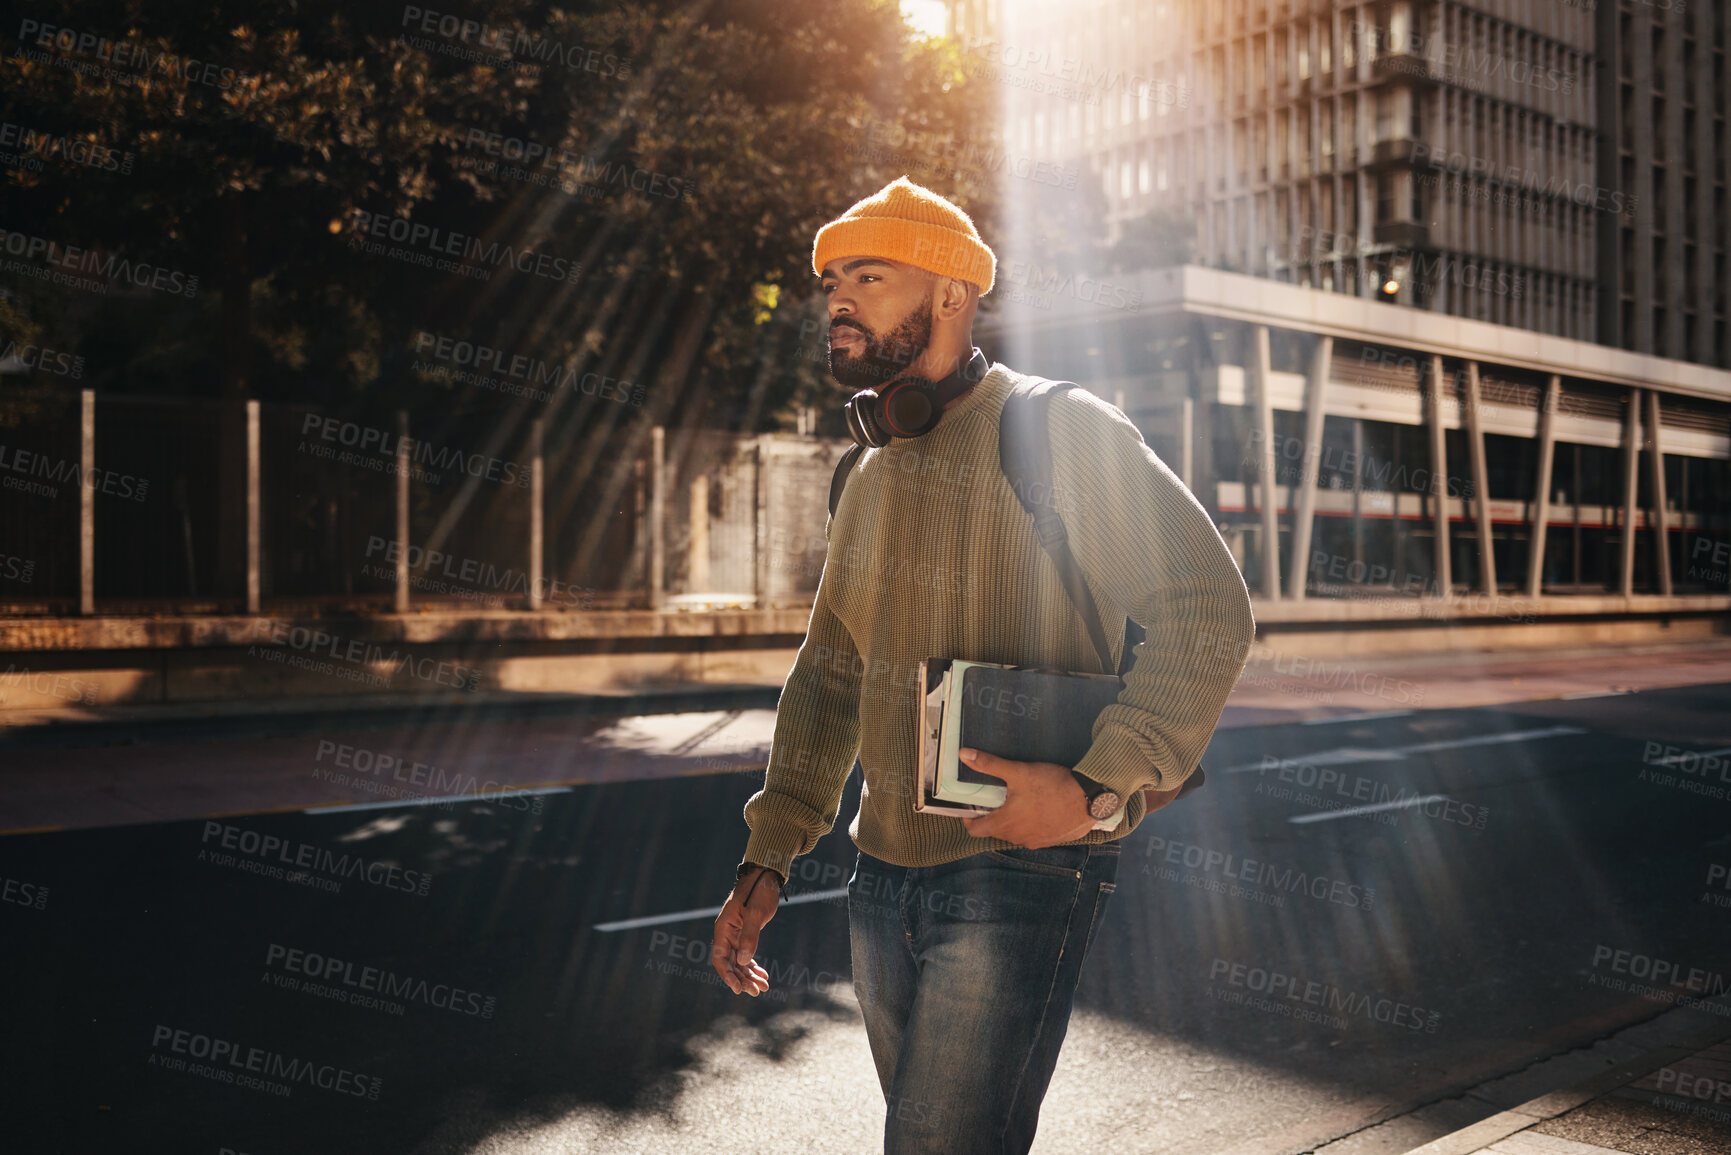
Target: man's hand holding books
(1043, 803)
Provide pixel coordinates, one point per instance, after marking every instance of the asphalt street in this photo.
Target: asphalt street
(1353, 918)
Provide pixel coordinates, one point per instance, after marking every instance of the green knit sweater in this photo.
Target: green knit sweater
(932, 555)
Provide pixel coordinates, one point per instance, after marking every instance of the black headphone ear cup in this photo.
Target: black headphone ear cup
(862, 422)
(908, 410)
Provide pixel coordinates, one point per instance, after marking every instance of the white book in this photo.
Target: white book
(1030, 714)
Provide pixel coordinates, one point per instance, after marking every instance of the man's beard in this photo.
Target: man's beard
(877, 362)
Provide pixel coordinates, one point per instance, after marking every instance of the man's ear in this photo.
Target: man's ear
(953, 296)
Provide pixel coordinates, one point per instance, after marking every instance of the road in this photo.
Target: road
(1354, 918)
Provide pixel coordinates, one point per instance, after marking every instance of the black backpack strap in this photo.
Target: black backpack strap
(843, 467)
(1025, 456)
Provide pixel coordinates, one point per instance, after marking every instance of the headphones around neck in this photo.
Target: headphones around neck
(909, 406)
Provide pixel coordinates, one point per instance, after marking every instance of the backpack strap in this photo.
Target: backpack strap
(1025, 456)
(838, 482)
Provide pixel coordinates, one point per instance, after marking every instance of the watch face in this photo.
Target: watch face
(1104, 805)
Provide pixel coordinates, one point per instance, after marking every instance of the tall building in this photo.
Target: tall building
(1429, 178)
(1663, 101)
(1441, 155)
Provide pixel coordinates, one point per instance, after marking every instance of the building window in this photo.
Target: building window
(1142, 176)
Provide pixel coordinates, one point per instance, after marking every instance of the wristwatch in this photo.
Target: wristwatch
(1102, 803)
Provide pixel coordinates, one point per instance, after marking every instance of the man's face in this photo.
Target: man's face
(880, 318)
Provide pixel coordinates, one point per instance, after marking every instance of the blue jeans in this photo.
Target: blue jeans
(965, 973)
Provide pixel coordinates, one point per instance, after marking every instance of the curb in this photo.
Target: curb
(1477, 1136)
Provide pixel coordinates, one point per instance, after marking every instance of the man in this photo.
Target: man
(968, 934)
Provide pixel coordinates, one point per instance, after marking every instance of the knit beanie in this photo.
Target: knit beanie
(904, 222)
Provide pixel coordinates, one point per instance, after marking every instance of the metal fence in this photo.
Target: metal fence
(138, 505)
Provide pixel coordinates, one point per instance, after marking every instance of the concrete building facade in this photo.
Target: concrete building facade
(1477, 160)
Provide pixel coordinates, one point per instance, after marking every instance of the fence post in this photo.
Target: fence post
(402, 600)
(87, 503)
(252, 507)
(657, 512)
(537, 493)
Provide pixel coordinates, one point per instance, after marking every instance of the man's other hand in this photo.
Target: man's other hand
(736, 929)
(1043, 805)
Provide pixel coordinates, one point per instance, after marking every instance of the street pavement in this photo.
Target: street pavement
(1355, 918)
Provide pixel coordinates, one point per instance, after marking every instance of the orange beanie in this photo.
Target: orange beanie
(904, 222)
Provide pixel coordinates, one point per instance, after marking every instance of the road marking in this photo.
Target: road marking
(1583, 695)
(1350, 754)
(707, 912)
(1688, 754)
(341, 809)
(1493, 739)
(1357, 718)
(1350, 811)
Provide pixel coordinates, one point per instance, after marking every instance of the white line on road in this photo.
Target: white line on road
(1373, 808)
(1350, 754)
(707, 912)
(1492, 739)
(437, 801)
(1688, 754)
(1357, 718)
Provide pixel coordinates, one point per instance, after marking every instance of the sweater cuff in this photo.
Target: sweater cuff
(774, 844)
(1117, 763)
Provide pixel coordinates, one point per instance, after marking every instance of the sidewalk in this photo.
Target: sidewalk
(1672, 1099)
(1275, 688)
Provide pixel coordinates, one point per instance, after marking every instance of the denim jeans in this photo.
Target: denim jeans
(965, 973)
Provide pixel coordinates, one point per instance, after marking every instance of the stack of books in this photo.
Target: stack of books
(1027, 713)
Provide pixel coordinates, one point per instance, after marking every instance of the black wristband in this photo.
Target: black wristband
(780, 889)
